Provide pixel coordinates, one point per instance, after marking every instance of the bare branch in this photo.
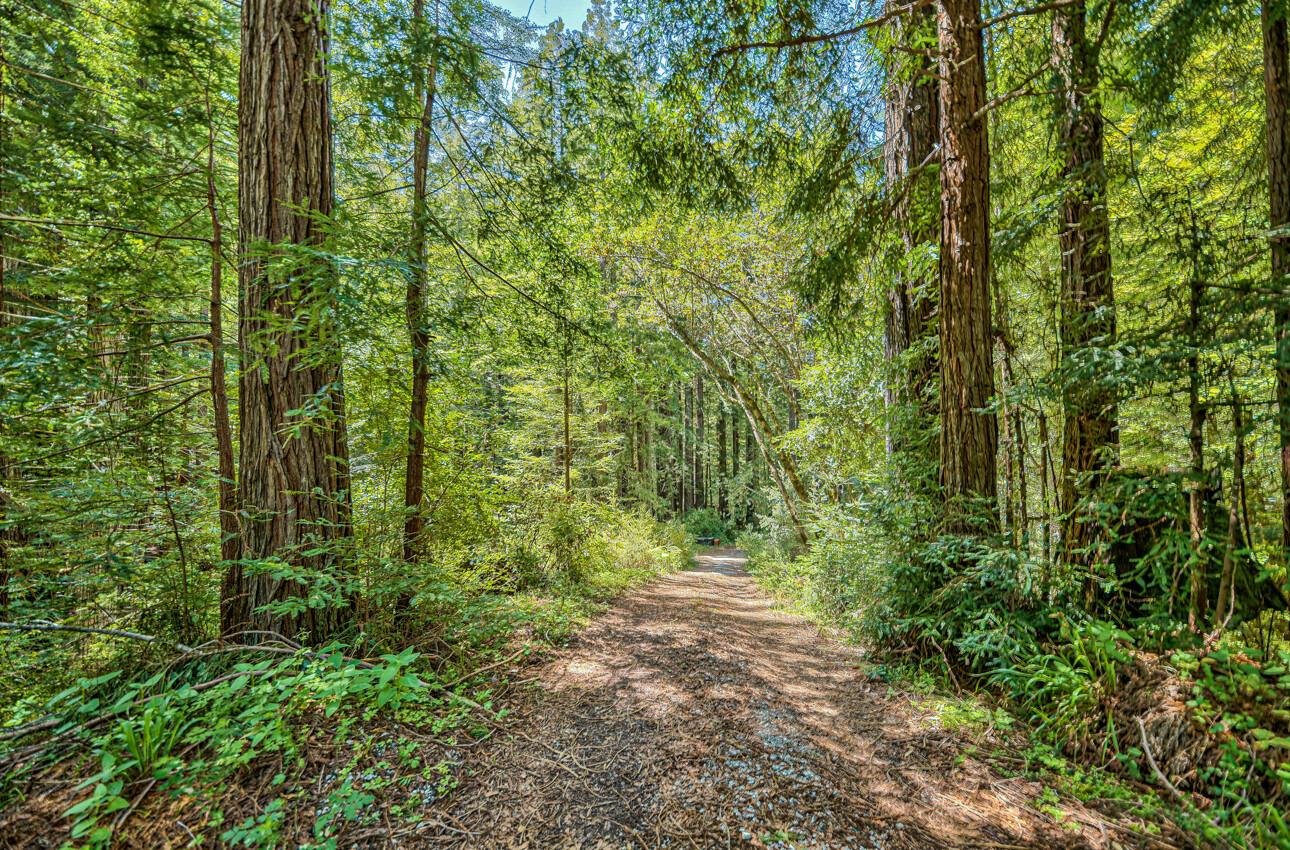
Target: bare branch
(828, 36)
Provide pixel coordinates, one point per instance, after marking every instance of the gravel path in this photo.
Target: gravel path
(694, 714)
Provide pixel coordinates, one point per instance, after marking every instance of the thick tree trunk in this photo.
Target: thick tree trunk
(1090, 436)
(1276, 87)
(969, 434)
(415, 305)
(294, 456)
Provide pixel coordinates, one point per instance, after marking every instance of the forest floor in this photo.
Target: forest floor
(697, 714)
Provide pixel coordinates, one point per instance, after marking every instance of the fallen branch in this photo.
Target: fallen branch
(43, 626)
(486, 668)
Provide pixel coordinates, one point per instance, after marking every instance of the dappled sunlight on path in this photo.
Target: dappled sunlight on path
(695, 713)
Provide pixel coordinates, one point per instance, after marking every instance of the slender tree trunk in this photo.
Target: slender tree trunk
(1225, 604)
(1090, 437)
(1276, 87)
(722, 466)
(779, 463)
(568, 434)
(658, 458)
(294, 487)
(700, 439)
(1019, 452)
(687, 458)
(1009, 446)
(969, 433)
(227, 492)
(1196, 445)
(415, 300)
(8, 532)
(1045, 459)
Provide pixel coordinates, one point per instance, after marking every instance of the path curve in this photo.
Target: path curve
(695, 714)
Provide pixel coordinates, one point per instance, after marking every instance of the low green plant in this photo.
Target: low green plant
(1069, 689)
(151, 737)
(706, 522)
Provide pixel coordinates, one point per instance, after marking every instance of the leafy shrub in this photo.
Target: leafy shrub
(200, 724)
(706, 522)
(569, 538)
(969, 601)
(1244, 701)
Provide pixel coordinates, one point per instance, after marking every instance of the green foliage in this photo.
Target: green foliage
(706, 522)
(610, 211)
(1069, 690)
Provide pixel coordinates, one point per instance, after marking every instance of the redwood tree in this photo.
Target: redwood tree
(1276, 87)
(1090, 444)
(294, 484)
(969, 433)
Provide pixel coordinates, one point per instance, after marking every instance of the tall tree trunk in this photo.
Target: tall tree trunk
(1006, 409)
(294, 485)
(658, 459)
(8, 531)
(1276, 88)
(722, 465)
(227, 492)
(415, 298)
(912, 124)
(1090, 436)
(700, 438)
(1196, 445)
(779, 463)
(1045, 504)
(1225, 604)
(681, 424)
(969, 435)
(687, 458)
(567, 454)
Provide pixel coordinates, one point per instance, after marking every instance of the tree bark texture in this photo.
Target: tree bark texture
(1276, 88)
(294, 458)
(1090, 434)
(230, 543)
(969, 435)
(912, 124)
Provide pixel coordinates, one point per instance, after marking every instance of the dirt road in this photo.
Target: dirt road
(694, 714)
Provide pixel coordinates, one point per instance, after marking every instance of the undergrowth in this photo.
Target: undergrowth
(276, 744)
(989, 625)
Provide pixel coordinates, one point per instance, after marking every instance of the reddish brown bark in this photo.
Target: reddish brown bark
(969, 434)
(912, 123)
(1276, 87)
(294, 486)
(227, 490)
